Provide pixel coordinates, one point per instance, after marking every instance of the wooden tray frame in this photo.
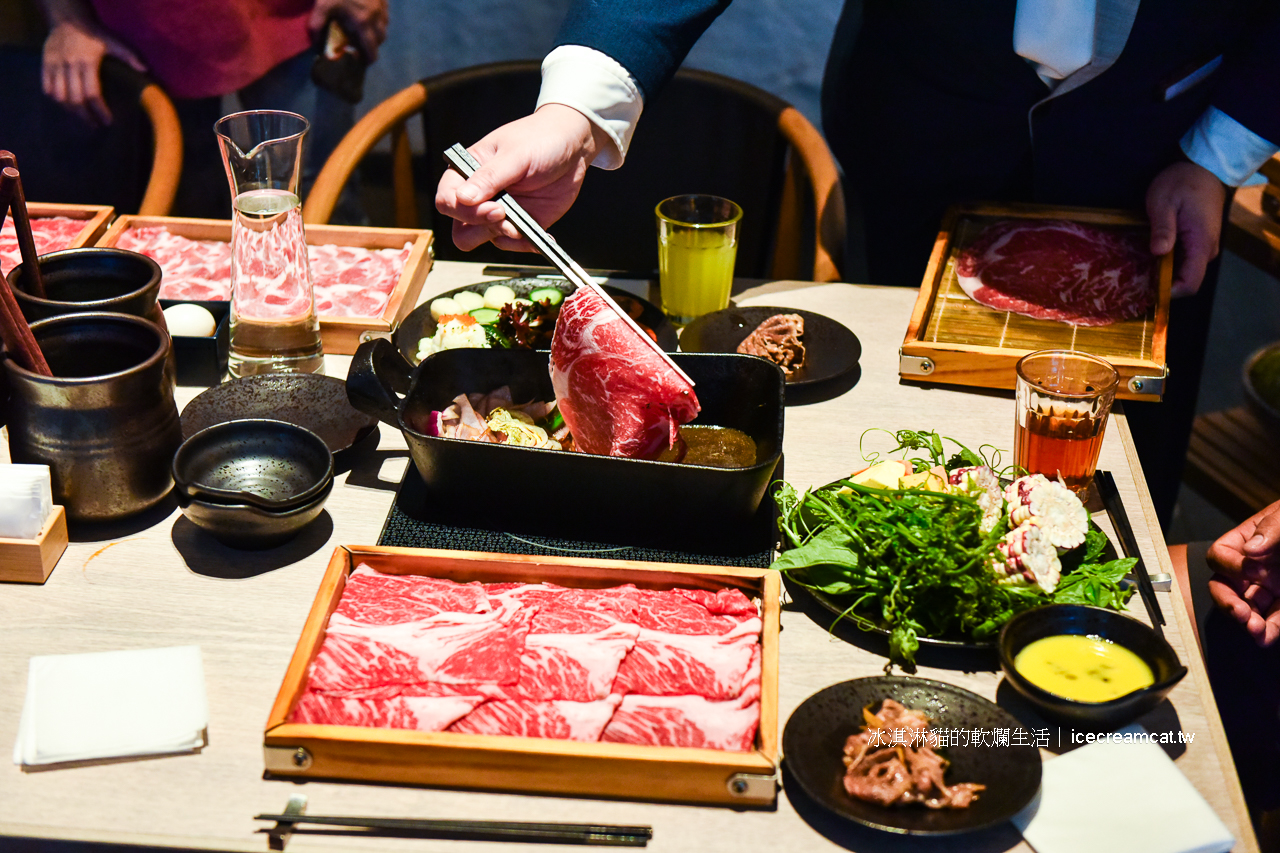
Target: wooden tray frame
(528, 765)
(341, 335)
(922, 360)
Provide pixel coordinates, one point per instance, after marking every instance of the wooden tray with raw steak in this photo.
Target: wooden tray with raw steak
(1006, 280)
(366, 279)
(550, 675)
(54, 227)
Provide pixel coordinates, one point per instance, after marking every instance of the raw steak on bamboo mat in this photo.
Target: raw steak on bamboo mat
(1058, 270)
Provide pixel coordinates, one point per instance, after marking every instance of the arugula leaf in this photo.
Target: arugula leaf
(1097, 584)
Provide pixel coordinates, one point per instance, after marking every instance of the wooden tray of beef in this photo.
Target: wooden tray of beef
(54, 227)
(1006, 280)
(366, 279)
(546, 675)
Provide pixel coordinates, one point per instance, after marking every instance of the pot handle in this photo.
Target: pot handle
(378, 379)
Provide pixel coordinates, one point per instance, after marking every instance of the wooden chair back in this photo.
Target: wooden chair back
(704, 133)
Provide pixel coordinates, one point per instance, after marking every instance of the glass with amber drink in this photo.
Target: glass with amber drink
(1064, 399)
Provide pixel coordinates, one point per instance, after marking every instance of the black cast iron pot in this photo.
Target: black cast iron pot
(568, 494)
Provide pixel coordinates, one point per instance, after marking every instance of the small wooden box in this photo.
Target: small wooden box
(32, 560)
(528, 765)
(341, 335)
(954, 340)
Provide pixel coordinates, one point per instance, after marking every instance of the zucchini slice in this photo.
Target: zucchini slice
(553, 296)
(485, 316)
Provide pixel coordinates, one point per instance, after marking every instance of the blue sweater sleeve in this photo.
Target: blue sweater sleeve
(650, 38)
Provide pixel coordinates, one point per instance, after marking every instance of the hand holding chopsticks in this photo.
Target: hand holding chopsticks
(461, 161)
(14, 330)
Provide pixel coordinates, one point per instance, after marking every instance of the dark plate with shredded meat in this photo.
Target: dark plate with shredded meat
(1006, 762)
(830, 349)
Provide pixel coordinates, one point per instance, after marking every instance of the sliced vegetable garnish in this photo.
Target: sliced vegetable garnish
(485, 316)
(551, 295)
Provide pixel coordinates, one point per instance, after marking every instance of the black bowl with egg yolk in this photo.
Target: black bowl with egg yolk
(1056, 619)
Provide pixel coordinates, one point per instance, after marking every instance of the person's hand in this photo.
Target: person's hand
(1248, 583)
(73, 53)
(1184, 204)
(365, 19)
(540, 159)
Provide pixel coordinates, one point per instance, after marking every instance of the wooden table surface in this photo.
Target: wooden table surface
(160, 582)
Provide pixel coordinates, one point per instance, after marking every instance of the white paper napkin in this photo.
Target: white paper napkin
(26, 499)
(112, 705)
(1120, 796)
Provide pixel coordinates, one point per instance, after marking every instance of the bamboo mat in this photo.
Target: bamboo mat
(957, 319)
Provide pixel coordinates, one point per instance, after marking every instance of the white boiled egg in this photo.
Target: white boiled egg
(186, 320)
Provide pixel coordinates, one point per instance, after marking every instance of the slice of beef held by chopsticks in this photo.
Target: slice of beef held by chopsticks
(1058, 270)
(618, 396)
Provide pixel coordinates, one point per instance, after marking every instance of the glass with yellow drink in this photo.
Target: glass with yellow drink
(697, 242)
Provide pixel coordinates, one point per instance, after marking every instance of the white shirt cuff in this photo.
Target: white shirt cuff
(597, 86)
(1225, 147)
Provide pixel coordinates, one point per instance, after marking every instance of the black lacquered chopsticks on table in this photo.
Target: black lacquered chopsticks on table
(1110, 495)
(479, 830)
(461, 161)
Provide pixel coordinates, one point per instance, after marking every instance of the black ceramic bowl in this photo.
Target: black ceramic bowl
(272, 465)
(250, 527)
(1139, 638)
(90, 279)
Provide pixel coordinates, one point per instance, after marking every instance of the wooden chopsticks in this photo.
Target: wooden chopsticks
(461, 161)
(17, 204)
(1128, 544)
(481, 830)
(14, 330)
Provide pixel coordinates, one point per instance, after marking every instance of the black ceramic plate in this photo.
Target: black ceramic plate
(309, 400)
(832, 604)
(837, 605)
(813, 749)
(419, 324)
(831, 350)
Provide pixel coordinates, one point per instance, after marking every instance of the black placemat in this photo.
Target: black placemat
(412, 524)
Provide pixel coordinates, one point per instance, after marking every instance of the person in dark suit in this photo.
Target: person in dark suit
(928, 103)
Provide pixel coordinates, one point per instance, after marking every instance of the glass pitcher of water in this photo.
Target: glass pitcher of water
(274, 328)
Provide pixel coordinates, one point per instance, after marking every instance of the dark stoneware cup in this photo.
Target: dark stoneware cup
(105, 422)
(80, 280)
